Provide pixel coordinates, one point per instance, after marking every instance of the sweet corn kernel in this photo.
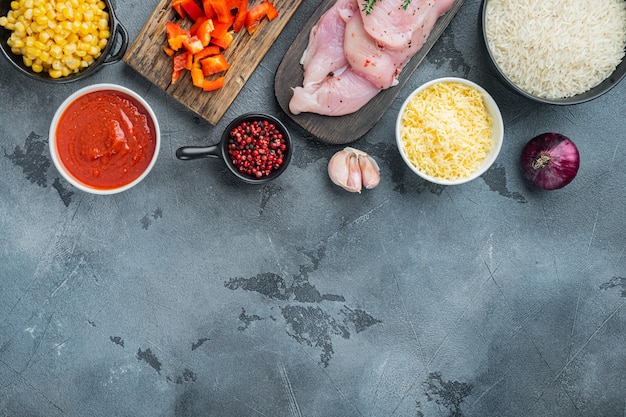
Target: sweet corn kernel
(55, 73)
(16, 43)
(68, 13)
(42, 20)
(72, 63)
(69, 49)
(56, 51)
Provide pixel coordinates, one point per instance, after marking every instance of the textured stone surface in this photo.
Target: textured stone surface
(195, 295)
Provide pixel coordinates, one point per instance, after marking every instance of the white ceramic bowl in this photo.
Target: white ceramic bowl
(497, 130)
(82, 184)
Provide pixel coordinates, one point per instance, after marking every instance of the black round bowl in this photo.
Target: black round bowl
(221, 149)
(118, 39)
(595, 92)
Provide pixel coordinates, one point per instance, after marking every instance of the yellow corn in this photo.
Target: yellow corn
(60, 37)
(55, 73)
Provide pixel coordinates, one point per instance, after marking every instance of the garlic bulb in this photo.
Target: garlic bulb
(353, 169)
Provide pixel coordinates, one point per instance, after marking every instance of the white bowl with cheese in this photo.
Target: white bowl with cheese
(449, 131)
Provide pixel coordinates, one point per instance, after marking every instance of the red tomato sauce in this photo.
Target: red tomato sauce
(105, 139)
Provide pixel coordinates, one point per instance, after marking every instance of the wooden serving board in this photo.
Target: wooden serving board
(345, 129)
(146, 56)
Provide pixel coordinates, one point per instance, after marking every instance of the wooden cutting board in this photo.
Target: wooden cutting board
(146, 56)
(344, 129)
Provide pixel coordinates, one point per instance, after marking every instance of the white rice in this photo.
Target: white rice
(556, 48)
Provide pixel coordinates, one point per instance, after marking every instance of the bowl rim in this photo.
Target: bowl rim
(55, 121)
(497, 131)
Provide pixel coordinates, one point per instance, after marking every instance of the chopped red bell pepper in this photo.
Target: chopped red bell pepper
(175, 35)
(212, 85)
(208, 9)
(197, 77)
(193, 30)
(168, 51)
(193, 44)
(224, 41)
(192, 9)
(179, 63)
(221, 36)
(214, 64)
(204, 32)
(222, 10)
(240, 17)
(257, 13)
(178, 7)
(206, 52)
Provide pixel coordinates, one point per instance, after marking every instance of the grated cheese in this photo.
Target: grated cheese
(446, 130)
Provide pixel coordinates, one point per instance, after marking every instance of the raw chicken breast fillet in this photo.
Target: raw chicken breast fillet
(338, 95)
(391, 25)
(324, 53)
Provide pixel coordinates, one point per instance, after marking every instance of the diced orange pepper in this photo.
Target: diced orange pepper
(257, 13)
(177, 5)
(206, 52)
(208, 9)
(204, 32)
(214, 64)
(222, 10)
(193, 44)
(219, 29)
(176, 75)
(179, 63)
(197, 77)
(192, 9)
(240, 17)
(168, 51)
(212, 85)
(175, 35)
(221, 35)
(193, 30)
(224, 41)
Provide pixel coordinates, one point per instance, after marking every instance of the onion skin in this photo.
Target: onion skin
(550, 161)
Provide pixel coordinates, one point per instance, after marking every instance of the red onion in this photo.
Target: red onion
(550, 161)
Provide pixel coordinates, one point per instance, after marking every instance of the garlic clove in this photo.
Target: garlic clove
(354, 174)
(370, 172)
(338, 168)
(343, 170)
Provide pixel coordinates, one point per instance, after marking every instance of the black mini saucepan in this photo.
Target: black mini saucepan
(113, 52)
(221, 150)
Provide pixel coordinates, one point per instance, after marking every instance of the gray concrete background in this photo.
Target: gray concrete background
(195, 295)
